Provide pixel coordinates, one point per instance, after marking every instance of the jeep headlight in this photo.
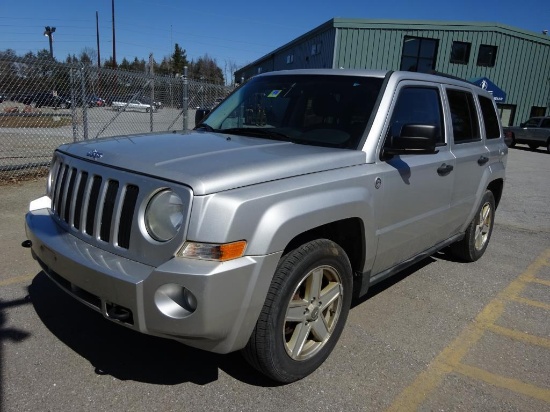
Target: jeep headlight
(164, 215)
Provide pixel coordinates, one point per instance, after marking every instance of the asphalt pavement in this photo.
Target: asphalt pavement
(442, 335)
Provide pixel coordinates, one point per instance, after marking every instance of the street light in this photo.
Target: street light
(49, 34)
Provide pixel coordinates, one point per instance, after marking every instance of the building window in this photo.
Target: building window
(419, 54)
(290, 59)
(460, 52)
(507, 113)
(316, 49)
(487, 55)
(537, 111)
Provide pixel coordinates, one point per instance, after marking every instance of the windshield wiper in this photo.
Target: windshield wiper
(204, 126)
(257, 132)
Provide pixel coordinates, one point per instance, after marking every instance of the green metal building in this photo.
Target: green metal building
(514, 64)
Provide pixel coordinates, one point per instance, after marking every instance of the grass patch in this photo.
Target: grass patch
(15, 177)
(47, 121)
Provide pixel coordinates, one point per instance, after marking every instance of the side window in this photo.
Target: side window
(545, 123)
(464, 116)
(532, 123)
(490, 119)
(417, 105)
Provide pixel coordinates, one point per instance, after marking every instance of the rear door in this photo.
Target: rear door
(472, 156)
(530, 131)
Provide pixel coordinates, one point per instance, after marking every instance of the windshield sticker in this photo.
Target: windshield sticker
(274, 93)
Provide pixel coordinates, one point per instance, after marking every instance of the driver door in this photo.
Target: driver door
(416, 188)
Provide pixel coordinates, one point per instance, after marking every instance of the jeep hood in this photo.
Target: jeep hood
(212, 162)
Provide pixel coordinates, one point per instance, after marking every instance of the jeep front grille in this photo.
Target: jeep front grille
(94, 205)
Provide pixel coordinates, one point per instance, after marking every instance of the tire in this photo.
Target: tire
(478, 233)
(533, 146)
(548, 146)
(297, 327)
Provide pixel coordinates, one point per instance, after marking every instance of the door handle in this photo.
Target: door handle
(444, 169)
(482, 160)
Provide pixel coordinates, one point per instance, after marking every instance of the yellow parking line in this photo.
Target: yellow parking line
(513, 385)
(542, 281)
(521, 336)
(450, 357)
(16, 279)
(529, 302)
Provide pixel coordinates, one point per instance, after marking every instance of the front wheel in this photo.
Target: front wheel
(478, 233)
(304, 313)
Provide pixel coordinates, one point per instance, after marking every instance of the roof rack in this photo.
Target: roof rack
(449, 76)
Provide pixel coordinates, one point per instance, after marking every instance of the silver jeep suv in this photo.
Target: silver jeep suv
(254, 231)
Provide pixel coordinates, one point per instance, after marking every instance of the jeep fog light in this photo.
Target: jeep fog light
(210, 251)
(164, 215)
(175, 301)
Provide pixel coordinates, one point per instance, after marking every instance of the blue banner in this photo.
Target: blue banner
(498, 94)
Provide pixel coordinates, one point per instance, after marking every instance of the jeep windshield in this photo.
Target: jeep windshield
(321, 110)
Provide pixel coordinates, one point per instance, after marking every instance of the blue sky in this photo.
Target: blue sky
(232, 32)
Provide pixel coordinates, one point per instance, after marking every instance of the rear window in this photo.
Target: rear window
(464, 116)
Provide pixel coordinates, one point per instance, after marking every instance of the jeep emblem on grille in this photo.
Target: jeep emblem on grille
(94, 154)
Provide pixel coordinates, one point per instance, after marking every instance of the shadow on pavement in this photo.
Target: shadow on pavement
(392, 280)
(9, 335)
(128, 355)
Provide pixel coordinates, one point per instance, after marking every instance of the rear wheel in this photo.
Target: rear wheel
(478, 234)
(304, 313)
(548, 146)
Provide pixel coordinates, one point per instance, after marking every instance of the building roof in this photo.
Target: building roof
(339, 22)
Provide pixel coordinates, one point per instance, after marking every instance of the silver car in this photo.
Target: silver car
(535, 133)
(253, 232)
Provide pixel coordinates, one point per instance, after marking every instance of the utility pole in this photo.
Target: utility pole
(48, 32)
(114, 43)
(97, 37)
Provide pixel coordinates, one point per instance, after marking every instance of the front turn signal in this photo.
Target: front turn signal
(212, 251)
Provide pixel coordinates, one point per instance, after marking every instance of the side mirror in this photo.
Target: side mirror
(522, 125)
(413, 139)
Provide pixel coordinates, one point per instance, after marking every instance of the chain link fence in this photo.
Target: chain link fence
(44, 104)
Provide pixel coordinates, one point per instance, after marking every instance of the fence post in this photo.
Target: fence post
(185, 102)
(73, 106)
(152, 102)
(84, 102)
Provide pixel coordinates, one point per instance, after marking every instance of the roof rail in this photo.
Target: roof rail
(449, 76)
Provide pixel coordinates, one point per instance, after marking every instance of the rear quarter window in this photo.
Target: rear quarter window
(490, 119)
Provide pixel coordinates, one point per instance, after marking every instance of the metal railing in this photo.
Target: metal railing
(44, 104)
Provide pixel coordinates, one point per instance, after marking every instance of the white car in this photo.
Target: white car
(133, 105)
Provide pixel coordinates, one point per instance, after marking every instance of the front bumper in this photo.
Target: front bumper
(230, 295)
